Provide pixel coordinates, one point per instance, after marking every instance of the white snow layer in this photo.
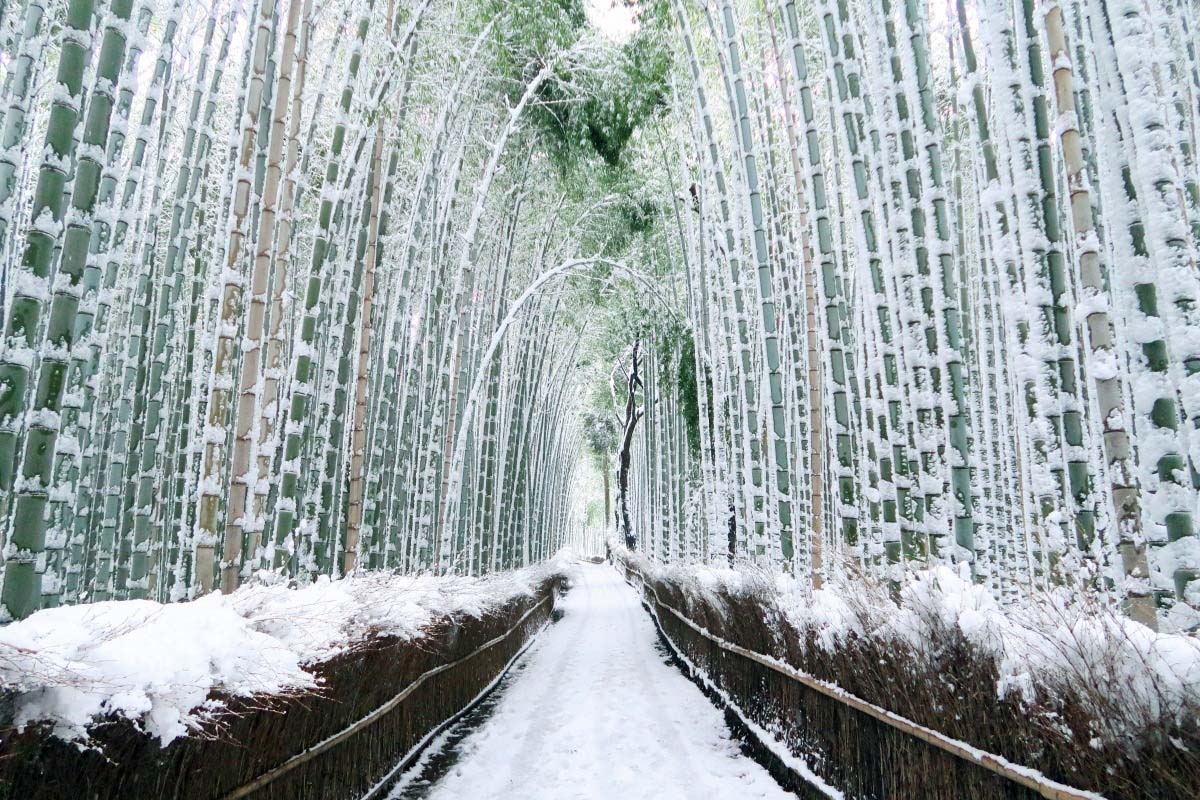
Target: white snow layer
(157, 663)
(1053, 643)
(595, 712)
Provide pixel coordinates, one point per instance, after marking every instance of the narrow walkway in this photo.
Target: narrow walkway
(597, 712)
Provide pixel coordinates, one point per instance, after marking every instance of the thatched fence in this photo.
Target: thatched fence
(378, 705)
(817, 738)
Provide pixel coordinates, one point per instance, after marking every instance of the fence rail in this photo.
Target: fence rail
(350, 731)
(1024, 776)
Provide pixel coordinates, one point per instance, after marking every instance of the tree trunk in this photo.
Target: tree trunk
(632, 415)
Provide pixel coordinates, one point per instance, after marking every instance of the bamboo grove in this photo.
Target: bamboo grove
(253, 256)
(941, 268)
(297, 289)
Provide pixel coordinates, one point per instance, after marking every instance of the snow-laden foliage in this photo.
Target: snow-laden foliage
(1049, 648)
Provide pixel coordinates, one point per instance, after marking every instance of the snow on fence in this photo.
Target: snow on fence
(378, 704)
(823, 741)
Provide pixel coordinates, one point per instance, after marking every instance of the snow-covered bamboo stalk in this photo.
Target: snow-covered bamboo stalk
(54, 226)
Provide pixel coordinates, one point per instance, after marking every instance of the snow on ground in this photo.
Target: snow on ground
(157, 663)
(597, 713)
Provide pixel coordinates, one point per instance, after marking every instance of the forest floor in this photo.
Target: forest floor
(593, 710)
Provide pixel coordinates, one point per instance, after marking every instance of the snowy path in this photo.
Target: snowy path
(596, 712)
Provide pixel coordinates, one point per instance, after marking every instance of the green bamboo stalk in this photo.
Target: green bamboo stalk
(299, 415)
(23, 567)
(778, 422)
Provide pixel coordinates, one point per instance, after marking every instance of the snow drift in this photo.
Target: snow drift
(159, 665)
(1057, 683)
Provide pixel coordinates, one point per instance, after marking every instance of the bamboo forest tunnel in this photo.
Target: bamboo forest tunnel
(303, 289)
(836, 306)
(924, 288)
(869, 286)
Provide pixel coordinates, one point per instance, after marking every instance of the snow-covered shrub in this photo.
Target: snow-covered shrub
(161, 665)
(1059, 684)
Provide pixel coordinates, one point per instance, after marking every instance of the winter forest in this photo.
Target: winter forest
(848, 298)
